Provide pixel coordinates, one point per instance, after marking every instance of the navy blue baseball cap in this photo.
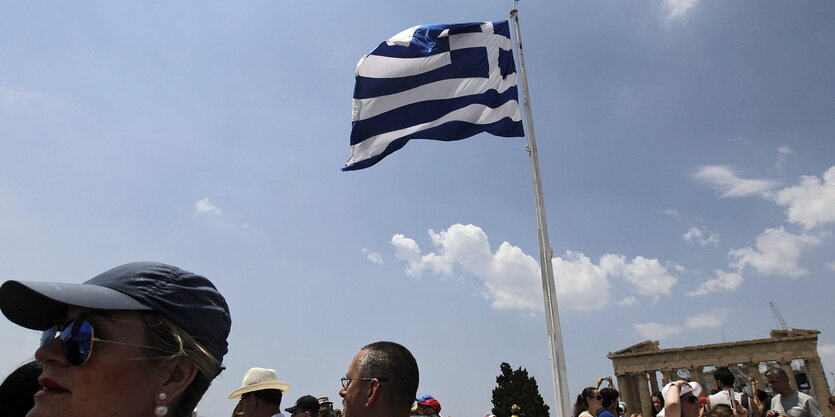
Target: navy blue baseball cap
(188, 299)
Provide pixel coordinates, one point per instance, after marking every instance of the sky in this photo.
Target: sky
(687, 150)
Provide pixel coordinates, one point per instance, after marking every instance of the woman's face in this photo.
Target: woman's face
(656, 404)
(115, 380)
(594, 401)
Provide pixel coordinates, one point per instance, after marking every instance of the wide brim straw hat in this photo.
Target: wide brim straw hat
(257, 379)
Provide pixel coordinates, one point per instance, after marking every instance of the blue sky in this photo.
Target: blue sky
(687, 157)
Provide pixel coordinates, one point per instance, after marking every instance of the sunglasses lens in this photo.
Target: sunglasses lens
(48, 335)
(77, 342)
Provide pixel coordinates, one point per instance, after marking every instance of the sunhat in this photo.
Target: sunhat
(693, 387)
(257, 379)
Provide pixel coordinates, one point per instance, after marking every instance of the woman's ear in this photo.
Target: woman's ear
(177, 376)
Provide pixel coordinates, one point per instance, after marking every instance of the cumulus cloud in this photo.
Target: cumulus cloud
(205, 206)
(724, 281)
(707, 320)
(777, 253)
(653, 330)
(676, 9)
(511, 278)
(783, 154)
(701, 236)
(372, 256)
(724, 180)
(647, 276)
(811, 202)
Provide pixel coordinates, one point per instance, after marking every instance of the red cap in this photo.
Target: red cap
(432, 403)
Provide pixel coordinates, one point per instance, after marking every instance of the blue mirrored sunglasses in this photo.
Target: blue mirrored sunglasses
(77, 337)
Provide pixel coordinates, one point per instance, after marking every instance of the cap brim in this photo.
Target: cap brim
(36, 305)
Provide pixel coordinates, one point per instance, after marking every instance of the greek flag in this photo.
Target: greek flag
(441, 82)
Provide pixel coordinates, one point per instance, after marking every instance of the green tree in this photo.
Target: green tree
(516, 387)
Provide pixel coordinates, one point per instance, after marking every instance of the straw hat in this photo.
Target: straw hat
(257, 379)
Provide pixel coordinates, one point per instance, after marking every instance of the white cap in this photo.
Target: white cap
(693, 387)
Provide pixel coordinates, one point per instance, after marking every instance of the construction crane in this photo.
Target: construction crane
(777, 316)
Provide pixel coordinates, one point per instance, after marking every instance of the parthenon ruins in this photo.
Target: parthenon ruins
(637, 367)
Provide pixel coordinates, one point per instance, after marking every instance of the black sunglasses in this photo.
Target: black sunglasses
(77, 337)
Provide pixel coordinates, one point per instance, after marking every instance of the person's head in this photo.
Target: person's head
(18, 389)
(382, 379)
(260, 392)
(779, 381)
(831, 404)
(609, 398)
(721, 410)
(305, 406)
(325, 407)
(657, 401)
(150, 335)
(724, 378)
(688, 397)
(428, 406)
(588, 400)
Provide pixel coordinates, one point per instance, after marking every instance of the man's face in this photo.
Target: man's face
(325, 409)
(779, 385)
(352, 395)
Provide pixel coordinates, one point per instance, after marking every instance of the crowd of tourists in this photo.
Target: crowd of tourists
(146, 339)
(684, 399)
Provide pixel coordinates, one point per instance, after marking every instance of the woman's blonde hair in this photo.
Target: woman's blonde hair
(163, 335)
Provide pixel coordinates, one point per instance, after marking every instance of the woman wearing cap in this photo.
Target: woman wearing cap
(142, 339)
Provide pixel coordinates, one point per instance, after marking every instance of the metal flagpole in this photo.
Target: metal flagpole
(552, 313)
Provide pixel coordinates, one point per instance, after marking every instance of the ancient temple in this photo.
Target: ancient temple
(638, 367)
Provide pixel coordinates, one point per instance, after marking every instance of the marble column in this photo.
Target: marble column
(787, 366)
(643, 403)
(696, 374)
(820, 388)
(754, 370)
(653, 381)
(625, 387)
(668, 375)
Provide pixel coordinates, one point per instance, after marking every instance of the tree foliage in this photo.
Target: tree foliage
(516, 387)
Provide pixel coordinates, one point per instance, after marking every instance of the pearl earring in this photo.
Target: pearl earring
(162, 396)
(160, 411)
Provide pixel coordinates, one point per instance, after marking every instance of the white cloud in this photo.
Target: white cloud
(724, 281)
(707, 320)
(647, 276)
(701, 236)
(656, 330)
(673, 213)
(812, 202)
(372, 256)
(206, 206)
(783, 154)
(831, 265)
(678, 8)
(511, 278)
(777, 253)
(725, 180)
(628, 301)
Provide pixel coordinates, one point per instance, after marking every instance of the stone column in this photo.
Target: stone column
(819, 385)
(643, 403)
(754, 370)
(653, 381)
(668, 375)
(787, 366)
(625, 387)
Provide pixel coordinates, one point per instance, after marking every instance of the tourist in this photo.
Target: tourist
(587, 403)
(788, 401)
(609, 403)
(680, 399)
(306, 406)
(427, 405)
(725, 382)
(260, 393)
(381, 381)
(143, 339)
(657, 403)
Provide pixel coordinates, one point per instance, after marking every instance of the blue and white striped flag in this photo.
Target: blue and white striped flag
(441, 82)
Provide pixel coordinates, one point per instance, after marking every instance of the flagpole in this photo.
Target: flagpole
(552, 313)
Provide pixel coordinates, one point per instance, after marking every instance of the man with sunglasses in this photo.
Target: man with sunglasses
(306, 406)
(680, 399)
(381, 381)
